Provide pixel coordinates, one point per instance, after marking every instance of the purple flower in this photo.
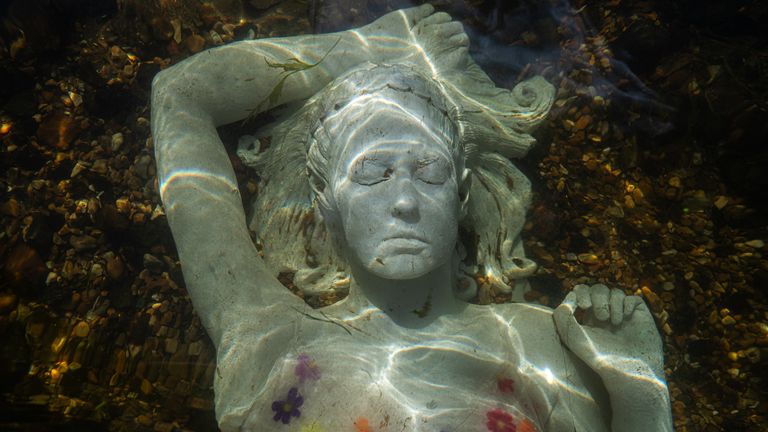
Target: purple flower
(288, 408)
(306, 369)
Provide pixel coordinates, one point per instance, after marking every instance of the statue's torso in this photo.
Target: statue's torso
(503, 363)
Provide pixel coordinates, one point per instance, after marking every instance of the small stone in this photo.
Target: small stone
(675, 182)
(194, 348)
(201, 404)
(157, 212)
(7, 302)
(123, 205)
(721, 201)
(153, 264)
(216, 38)
(176, 24)
(653, 299)
(83, 243)
(195, 43)
(756, 244)
(588, 258)
(139, 218)
(115, 267)
(144, 420)
(11, 208)
(141, 166)
(81, 329)
(171, 345)
(76, 99)
(146, 386)
(116, 142)
(77, 169)
(100, 166)
(728, 320)
(97, 270)
(116, 54)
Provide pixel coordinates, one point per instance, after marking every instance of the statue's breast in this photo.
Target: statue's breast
(396, 379)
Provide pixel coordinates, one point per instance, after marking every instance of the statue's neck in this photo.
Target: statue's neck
(410, 303)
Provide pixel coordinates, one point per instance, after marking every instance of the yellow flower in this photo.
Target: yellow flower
(313, 427)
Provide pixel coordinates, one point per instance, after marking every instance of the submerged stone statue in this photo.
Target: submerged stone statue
(393, 142)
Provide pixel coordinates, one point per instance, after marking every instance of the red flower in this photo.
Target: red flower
(506, 385)
(500, 421)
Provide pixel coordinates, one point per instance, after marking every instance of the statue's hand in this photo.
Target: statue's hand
(616, 335)
(431, 41)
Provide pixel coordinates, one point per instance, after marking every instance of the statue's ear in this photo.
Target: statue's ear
(465, 183)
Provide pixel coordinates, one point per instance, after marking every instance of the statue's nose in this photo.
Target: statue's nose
(406, 204)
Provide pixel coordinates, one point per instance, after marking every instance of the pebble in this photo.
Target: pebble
(81, 329)
(116, 142)
(195, 43)
(83, 243)
(720, 202)
(756, 244)
(146, 386)
(7, 302)
(77, 169)
(115, 267)
(153, 264)
(588, 258)
(100, 166)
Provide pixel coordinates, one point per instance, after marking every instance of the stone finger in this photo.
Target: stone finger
(582, 296)
(617, 306)
(460, 40)
(630, 303)
(437, 18)
(600, 307)
(451, 28)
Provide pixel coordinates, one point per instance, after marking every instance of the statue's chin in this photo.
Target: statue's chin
(401, 266)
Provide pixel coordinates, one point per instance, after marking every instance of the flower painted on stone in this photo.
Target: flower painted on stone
(306, 369)
(506, 385)
(313, 427)
(526, 426)
(288, 408)
(500, 421)
(361, 425)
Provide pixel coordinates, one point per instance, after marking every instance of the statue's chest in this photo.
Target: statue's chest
(400, 383)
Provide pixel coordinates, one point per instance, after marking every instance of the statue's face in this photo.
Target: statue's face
(396, 192)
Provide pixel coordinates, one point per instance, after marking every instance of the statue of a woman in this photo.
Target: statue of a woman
(395, 143)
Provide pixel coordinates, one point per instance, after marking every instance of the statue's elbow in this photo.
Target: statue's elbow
(160, 85)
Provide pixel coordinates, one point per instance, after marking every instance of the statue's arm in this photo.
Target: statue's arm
(224, 275)
(618, 339)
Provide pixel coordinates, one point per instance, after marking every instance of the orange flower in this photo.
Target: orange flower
(526, 426)
(361, 425)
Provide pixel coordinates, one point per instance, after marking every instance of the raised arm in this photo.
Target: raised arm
(619, 340)
(223, 272)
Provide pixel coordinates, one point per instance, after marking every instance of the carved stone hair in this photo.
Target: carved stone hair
(484, 127)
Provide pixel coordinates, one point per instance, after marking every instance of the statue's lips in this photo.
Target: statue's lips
(404, 244)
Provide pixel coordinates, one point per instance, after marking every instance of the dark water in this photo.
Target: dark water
(648, 176)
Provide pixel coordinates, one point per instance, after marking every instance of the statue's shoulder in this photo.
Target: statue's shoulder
(534, 326)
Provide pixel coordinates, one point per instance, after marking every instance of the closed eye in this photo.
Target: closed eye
(435, 171)
(369, 173)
